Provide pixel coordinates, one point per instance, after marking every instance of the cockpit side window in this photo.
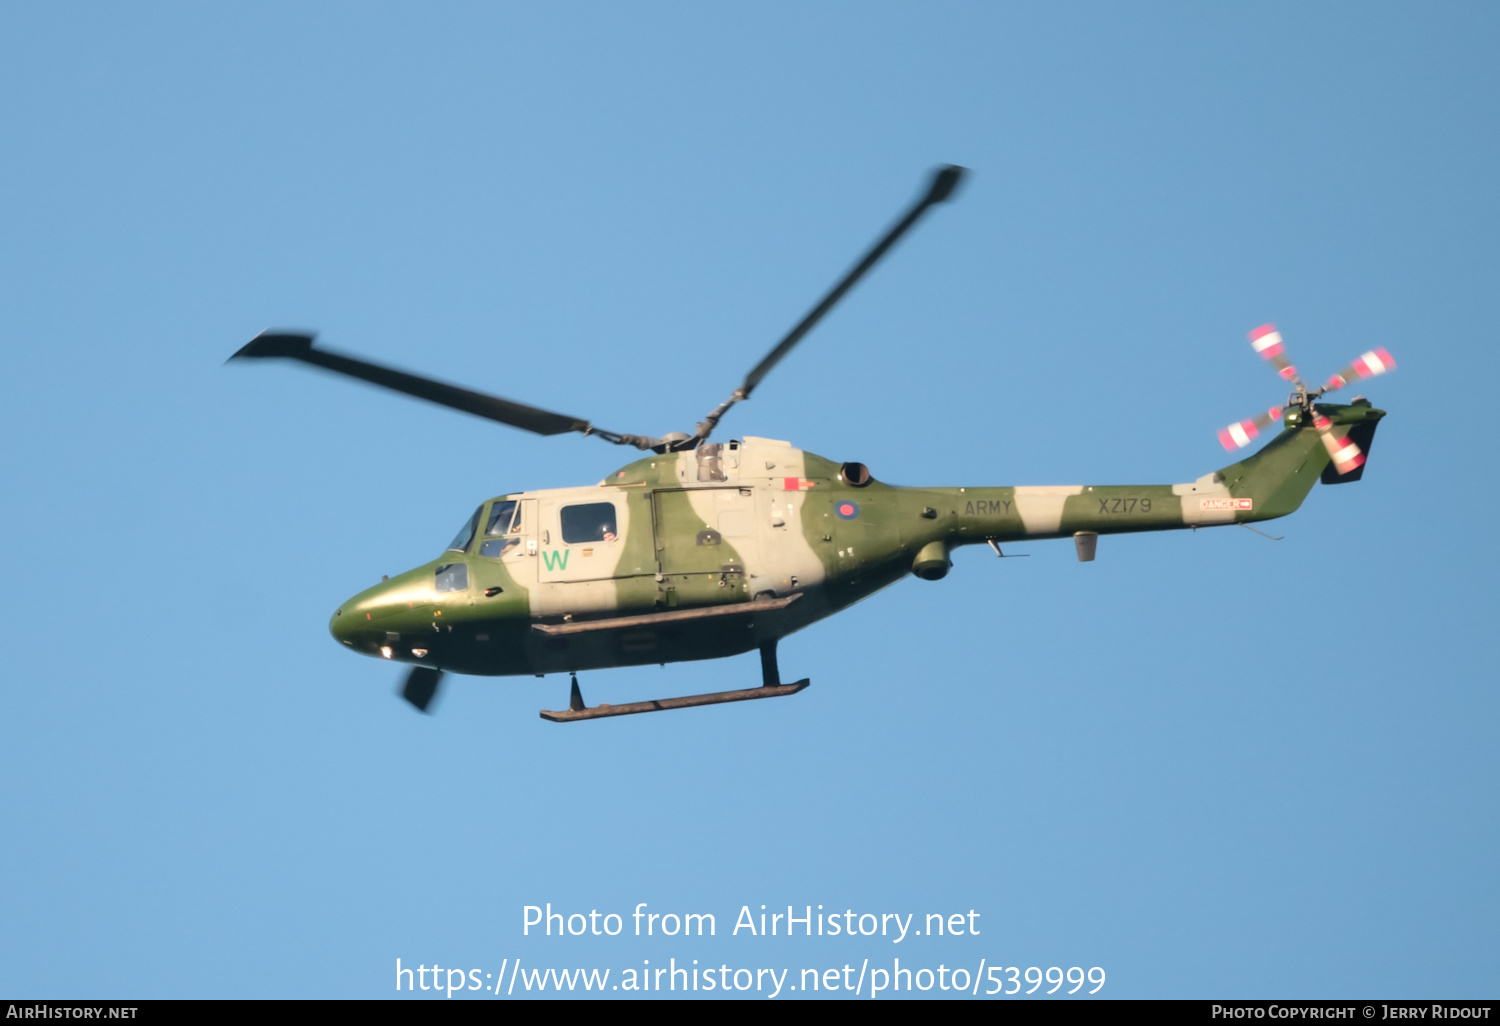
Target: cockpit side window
(465, 534)
(590, 522)
(501, 515)
(504, 519)
(451, 577)
(494, 548)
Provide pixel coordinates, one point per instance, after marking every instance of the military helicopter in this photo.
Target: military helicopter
(702, 550)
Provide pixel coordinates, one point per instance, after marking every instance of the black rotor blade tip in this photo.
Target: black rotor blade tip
(421, 684)
(944, 182)
(276, 343)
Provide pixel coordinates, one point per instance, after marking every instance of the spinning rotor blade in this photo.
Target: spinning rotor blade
(297, 346)
(1345, 454)
(943, 184)
(1242, 433)
(1266, 341)
(944, 181)
(1376, 361)
(421, 684)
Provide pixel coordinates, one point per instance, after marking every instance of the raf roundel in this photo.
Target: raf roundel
(846, 510)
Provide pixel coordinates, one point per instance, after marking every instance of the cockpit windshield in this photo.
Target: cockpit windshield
(465, 534)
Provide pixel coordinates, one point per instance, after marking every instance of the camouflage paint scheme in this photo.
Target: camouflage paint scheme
(728, 523)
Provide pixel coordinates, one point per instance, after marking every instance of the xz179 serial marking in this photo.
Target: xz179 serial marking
(1124, 505)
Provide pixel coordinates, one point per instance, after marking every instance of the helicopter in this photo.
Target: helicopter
(703, 549)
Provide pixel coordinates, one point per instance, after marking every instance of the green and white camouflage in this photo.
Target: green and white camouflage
(560, 580)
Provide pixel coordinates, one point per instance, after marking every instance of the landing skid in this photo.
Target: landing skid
(770, 688)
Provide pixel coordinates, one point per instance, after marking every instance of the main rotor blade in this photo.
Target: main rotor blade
(421, 684)
(944, 181)
(299, 346)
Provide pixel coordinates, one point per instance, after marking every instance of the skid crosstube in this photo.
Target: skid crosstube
(770, 688)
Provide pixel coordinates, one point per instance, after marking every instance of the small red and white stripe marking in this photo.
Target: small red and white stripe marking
(1376, 361)
(1345, 454)
(796, 484)
(1237, 436)
(1267, 341)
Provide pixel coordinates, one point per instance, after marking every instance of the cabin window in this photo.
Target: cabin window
(590, 522)
(501, 515)
(465, 534)
(710, 464)
(451, 577)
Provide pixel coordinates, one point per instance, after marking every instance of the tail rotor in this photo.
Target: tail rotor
(1346, 455)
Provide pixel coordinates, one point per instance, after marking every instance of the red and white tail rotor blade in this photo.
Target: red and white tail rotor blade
(1266, 341)
(1376, 361)
(1345, 454)
(1242, 433)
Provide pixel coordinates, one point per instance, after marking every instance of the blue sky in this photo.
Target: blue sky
(1212, 764)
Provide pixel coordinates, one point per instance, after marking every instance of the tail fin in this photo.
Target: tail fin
(1278, 477)
(1361, 434)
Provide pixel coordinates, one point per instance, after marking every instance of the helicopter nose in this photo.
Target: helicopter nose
(343, 627)
(365, 621)
(350, 623)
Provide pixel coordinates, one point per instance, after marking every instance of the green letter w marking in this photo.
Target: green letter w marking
(556, 560)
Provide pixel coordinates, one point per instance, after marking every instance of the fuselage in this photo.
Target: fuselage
(727, 525)
(719, 525)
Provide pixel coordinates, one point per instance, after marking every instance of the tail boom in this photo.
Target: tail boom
(1271, 483)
